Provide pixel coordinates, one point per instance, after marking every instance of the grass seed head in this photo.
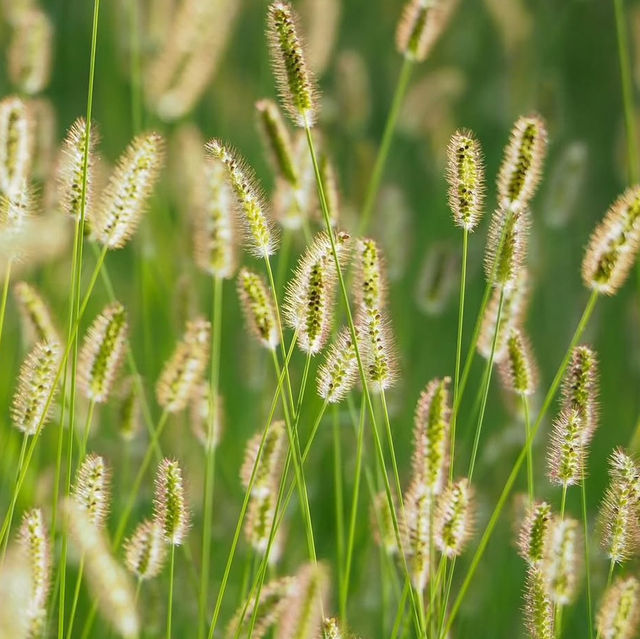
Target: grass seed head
(257, 305)
(454, 518)
(170, 510)
(533, 533)
(129, 410)
(16, 145)
(416, 532)
(92, 490)
(146, 550)
(382, 524)
(420, 27)
(580, 388)
(339, 372)
(568, 449)
(206, 416)
(35, 314)
(538, 609)
(518, 369)
(620, 610)
(561, 564)
(269, 463)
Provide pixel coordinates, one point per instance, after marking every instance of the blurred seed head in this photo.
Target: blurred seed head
(35, 314)
(257, 305)
(129, 410)
(619, 612)
(382, 524)
(420, 27)
(339, 372)
(146, 550)
(580, 389)
(269, 462)
(438, 278)
(92, 490)
(454, 518)
(16, 145)
(206, 416)
(518, 369)
(416, 532)
(538, 609)
(561, 564)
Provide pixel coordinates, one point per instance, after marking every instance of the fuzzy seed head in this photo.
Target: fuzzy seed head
(431, 436)
(522, 163)
(580, 388)
(16, 145)
(614, 245)
(538, 610)
(146, 550)
(370, 286)
(170, 511)
(518, 369)
(382, 524)
(278, 141)
(259, 520)
(35, 314)
(454, 518)
(35, 544)
(15, 210)
(296, 84)
(129, 410)
(568, 450)
(562, 560)
(419, 28)
(184, 369)
(258, 308)
(249, 199)
(269, 462)
(206, 416)
(339, 372)
(533, 533)
(465, 174)
(92, 491)
(620, 610)
(130, 186)
(416, 532)
(102, 353)
(33, 398)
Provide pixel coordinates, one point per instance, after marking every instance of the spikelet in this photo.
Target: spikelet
(308, 305)
(580, 388)
(331, 629)
(183, 370)
(29, 409)
(533, 533)
(16, 587)
(258, 308)
(206, 416)
(506, 248)
(102, 353)
(416, 532)
(303, 614)
(453, 525)
(420, 27)
(146, 550)
(382, 524)
(29, 54)
(35, 314)
(568, 450)
(130, 185)
(129, 410)
(214, 235)
(273, 601)
(431, 436)
(613, 245)
(339, 372)
(170, 510)
(521, 166)
(92, 490)
(619, 512)
(278, 141)
(249, 199)
(270, 460)
(71, 169)
(296, 84)
(108, 580)
(16, 145)
(538, 608)
(619, 612)
(518, 369)
(35, 545)
(465, 174)
(561, 562)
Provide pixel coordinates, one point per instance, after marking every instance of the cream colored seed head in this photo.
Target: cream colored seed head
(35, 314)
(620, 610)
(339, 372)
(184, 369)
(259, 520)
(533, 533)
(580, 388)
(102, 353)
(32, 400)
(249, 199)
(146, 550)
(454, 518)
(16, 145)
(568, 451)
(207, 416)
(268, 466)
(129, 412)
(518, 369)
(170, 510)
(416, 532)
(15, 211)
(561, 563)
(92, 491)
(538, 609)
(130, 186)
(258, 308)
(382, 524)
(614, 245)
(420, 27)
(295, 81)
(331, 629)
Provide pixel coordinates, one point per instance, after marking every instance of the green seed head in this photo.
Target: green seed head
(339, 372)
(518, 369)
(620, 610)
(35, 314)
(16, 145)
(561, 564)
(533, 533)
(170, 511)
(568, 450)
(146, 550)
(92, 490)
(539, 610)
(454, 518)
(420, 27)
(258, 308)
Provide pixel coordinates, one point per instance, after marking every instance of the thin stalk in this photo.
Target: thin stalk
(85, 432)
(387, 137)
(563, 501)
(135, 68)
(339, 502)
(397, 624)
(23, 448)
(387, 423)
(456, 376)
(585, 530)
(495, 516)
(283, 260)
(76, 593)
(527, 429)
(5, 294)
(170, 602)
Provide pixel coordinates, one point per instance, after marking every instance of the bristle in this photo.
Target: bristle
(92, 490)
(170, 510)
(382, 524)
(538, 606)
(431, 436)
(339, 372)
(146, 550)
(268, 469)
(259, 312)
(454, 518)
(296, 84)
(35, 544)
(35, 314)
(309, 299)
(184, 369)
(249, 198)
(16, 145)
(35, 390)
(130, 186)
(102, 353)
(465, 174)
(522, 163)
(533, 533)
(620, 610)
(518, 369)
(561, 565)
(108, 581)
(416, 532)
(567, 451)
(214, 230)
(580, 388)
(29, 54)
(419, 28)
(614, 245)
(619, 511)
(278, 141)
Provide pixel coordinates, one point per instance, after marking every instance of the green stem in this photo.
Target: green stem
(170, 603)
(527, 428)
(5, 295)
(135, 67)
(23, 448)
(587, 563)
(76, 593)
(85, 433)
(339, 503)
